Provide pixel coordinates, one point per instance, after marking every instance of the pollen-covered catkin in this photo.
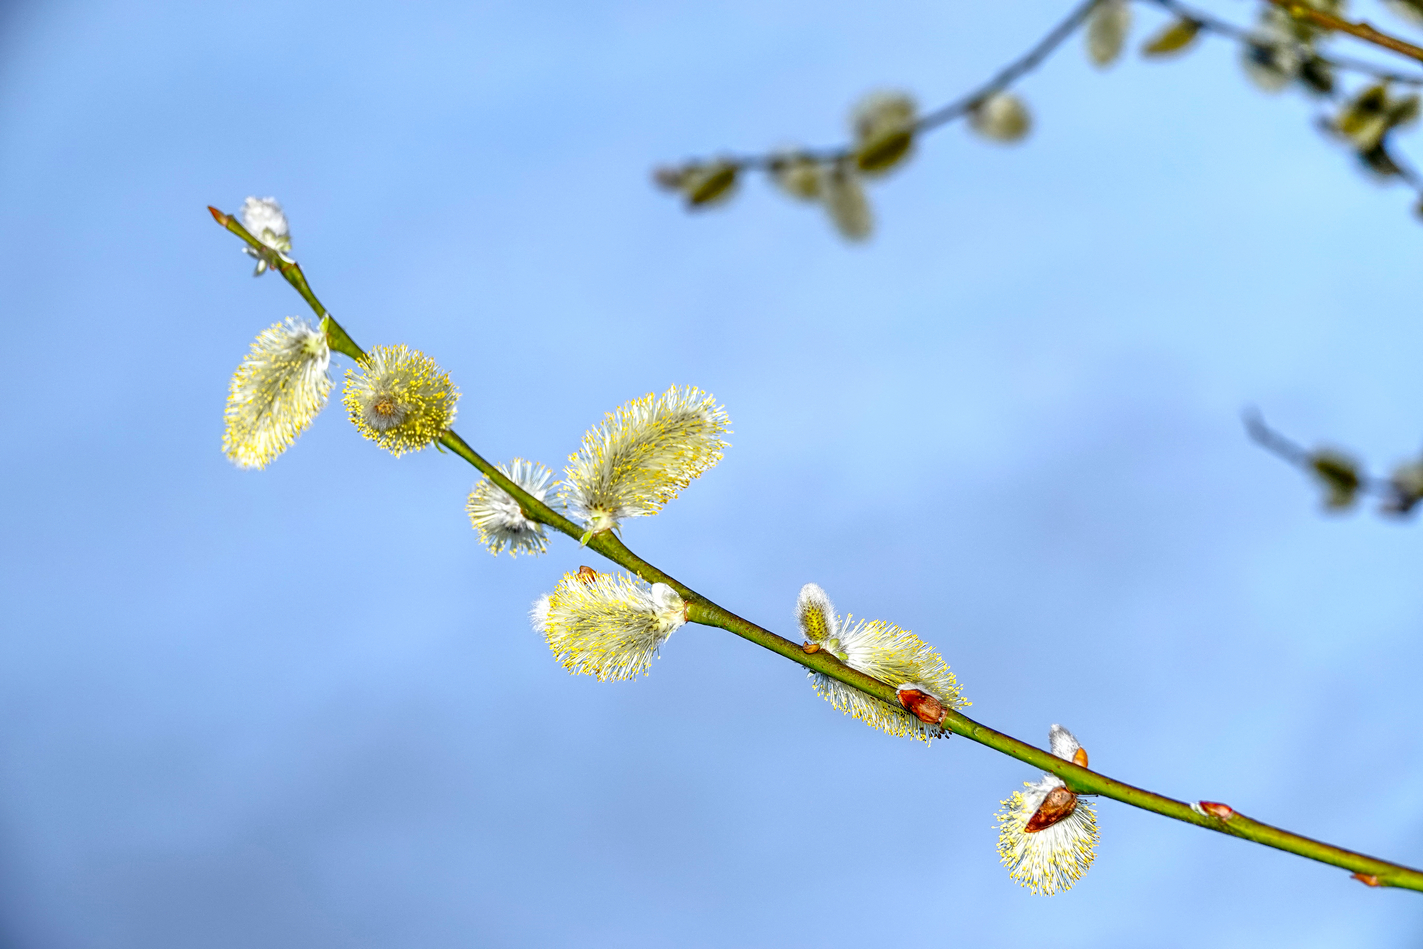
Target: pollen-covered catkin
(1047, 835)
(399, 398)
(501, 522)
(643, 455)
(607, 625)
(278, 389)
(882, 651)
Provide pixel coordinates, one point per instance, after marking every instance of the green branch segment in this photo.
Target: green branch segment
(700, 609)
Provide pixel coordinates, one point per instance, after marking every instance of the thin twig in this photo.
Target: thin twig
(1295, 454)
(1044, 48)
(702, 610)
(1362, 30)
(1010, 73)
(1214, 24)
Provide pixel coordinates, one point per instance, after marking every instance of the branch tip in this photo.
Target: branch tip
(219, 216)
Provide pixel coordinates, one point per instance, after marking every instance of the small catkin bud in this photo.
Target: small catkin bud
(1338, 475)
(883, 126)
(1214, 809)
(1107, 29)
(1405, 489)
(1002, 117)
(846, 203)
(799, 176)
(399, 399)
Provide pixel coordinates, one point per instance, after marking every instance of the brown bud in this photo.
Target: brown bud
(810, 648)
(1079, 757)
(1368, 879)
(925, 707)
(219, 216)
(1059, 803)
(1217, 810)
(587, 574)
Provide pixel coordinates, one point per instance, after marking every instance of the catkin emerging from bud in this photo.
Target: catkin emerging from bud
(883, 651)
(643, 455)
(1047, 835)
(266, 221)
(276, 392)
(400, 399)
(607, 625)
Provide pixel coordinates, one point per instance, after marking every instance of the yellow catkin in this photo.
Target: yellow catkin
(399, 398)
(1054, 858)
(643, 455)
(275, 393)
(608, 625)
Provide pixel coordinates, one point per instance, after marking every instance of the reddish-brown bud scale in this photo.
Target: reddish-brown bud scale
(1218, 810)
(1059, 803)
(219, 216)
(925, 707)
(587, 574)
(1368, 879)
(1079, 757)
(810, 648)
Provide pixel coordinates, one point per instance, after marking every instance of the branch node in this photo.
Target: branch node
(1221, 812)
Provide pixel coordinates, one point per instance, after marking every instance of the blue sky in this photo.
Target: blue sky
(303, 707)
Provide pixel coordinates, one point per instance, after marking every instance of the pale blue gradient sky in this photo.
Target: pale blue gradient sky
(303, 707)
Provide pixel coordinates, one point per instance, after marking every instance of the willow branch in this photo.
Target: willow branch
(1044, 48)
(1400, 494)
(1224, 28)
(1011, 73)
(702, 610)
(1362, 29)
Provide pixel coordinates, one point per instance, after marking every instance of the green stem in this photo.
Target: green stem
(704, 611)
